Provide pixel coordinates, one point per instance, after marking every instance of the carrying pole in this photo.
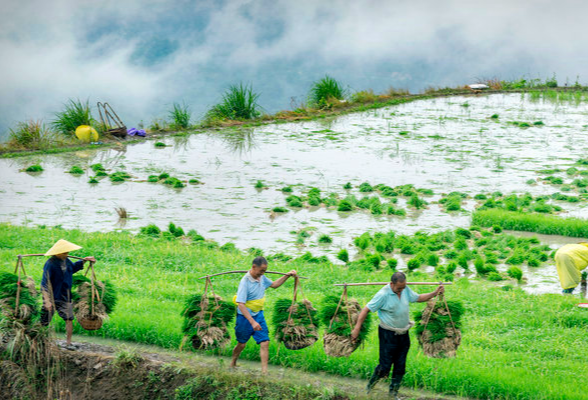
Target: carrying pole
(386, 283)
(244, 272)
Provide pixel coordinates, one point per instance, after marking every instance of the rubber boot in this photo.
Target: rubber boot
(568, 291)
(394, 387)
(372, 382)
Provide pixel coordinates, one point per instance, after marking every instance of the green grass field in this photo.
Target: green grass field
(515, 345)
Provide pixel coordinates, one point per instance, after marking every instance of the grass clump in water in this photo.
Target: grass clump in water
(34, 168)
(76, 170)
(160, 144)
(93, 180)
(326, 239)
(343, 255)
(280, 210)
(238, 103)
(119, 176)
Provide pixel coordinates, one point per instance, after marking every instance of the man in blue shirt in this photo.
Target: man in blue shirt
(250, 300)
(56, 284)
(391, 303)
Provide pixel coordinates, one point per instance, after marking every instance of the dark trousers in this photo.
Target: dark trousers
(393, 350)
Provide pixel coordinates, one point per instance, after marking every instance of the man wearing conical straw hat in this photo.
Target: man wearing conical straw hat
(56, 284)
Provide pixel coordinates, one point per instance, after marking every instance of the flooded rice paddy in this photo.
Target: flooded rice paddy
(446, 144)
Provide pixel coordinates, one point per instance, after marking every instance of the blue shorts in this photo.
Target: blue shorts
(244, 330)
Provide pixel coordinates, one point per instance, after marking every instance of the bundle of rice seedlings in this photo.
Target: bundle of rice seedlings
(296, 324)
(28, 307)
(337, 338)
(91, 315)
(439, 339)
(206, 319)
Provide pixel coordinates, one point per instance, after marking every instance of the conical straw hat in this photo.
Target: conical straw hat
(62, 246)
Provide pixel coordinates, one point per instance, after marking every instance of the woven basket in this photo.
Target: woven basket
(90, 324)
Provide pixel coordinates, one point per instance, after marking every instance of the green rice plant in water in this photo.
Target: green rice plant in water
(433, 260)
(159, 144)
(343, 255)
(416, 202)
(76, 170)
(153, 179)
(151, 230)
(494, 277)
(294, 201)
(324, 91)
(348, 186)
(287, 189)
(239, 102)
(75, 114)
(259, 185)
(163, 175)
(280, 210)
(345, 205)
(366, 188)
(296, 325)
(515, 272)
(194, 181)
(97, 167)
(180, 116)
(93, 180)
(325, 239)
(119, 176)
(176, 231)
(363, 242)
(34, 168)
(494, 116)
(413, 263)
(392, 263)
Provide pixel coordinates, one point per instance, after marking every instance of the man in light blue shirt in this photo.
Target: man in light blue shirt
(250, 300)
(391, 303)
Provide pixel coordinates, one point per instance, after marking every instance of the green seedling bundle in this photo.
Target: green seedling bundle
(296, 324)
(438, 327)
(206, 319)
(339, 317)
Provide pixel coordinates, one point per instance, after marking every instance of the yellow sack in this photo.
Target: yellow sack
(570, 260)
(253, 305)
(86, 133)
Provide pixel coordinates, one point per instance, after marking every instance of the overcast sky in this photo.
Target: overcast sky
(141, 56)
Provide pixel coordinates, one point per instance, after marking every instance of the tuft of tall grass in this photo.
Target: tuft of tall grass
(323, 92)
(30, 135)
(75, 114)
(238, 102)
(180, 116)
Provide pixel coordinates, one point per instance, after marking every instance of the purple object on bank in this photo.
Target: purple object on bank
(136, 132)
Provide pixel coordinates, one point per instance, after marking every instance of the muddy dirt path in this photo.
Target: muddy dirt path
(106, 351)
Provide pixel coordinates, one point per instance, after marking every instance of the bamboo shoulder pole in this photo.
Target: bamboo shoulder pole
(386, 283)
(40, 255)
(244, 272)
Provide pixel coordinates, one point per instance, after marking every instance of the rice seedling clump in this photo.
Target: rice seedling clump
(339, 320)
(34, 168)
(96, 306)
(76, 170)
(205, 321)
(28, 308)
(296, 323)
(438, 328)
